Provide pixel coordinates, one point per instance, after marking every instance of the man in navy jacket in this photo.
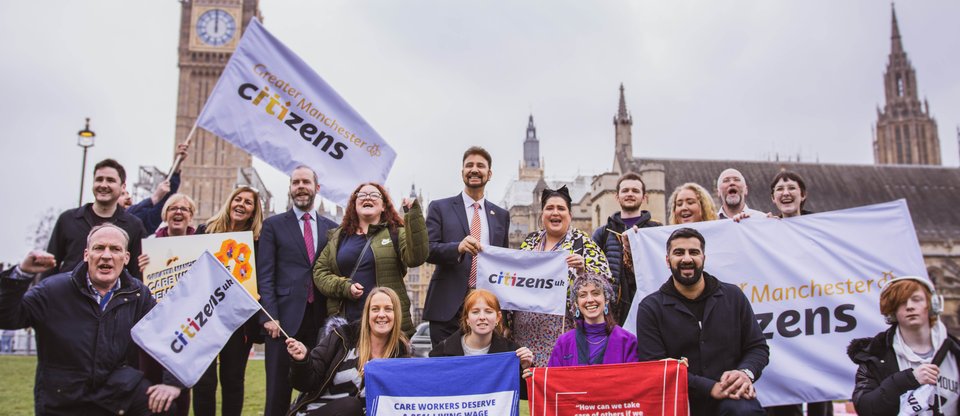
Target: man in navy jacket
(285, 282)
(452, 247)
(86, 359)
(709, 322)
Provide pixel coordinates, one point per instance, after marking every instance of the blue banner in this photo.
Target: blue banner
(449, 386)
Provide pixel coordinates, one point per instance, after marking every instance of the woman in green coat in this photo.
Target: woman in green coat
(372, 247)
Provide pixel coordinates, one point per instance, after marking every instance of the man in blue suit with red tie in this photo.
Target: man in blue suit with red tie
(289, 244)
(458, 228)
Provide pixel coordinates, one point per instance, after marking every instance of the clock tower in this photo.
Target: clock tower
(209, 32)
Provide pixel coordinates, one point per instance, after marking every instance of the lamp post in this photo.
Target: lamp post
(84, 140)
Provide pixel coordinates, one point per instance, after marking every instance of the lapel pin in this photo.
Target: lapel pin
(492, 213)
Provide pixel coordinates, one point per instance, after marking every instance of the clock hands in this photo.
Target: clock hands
(216, 21)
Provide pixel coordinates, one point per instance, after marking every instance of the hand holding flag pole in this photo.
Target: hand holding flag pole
(179, 159)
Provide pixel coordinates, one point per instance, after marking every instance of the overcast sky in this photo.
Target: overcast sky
(741, 80)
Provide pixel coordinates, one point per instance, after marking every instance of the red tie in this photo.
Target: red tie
(311, 250)
(475, 233)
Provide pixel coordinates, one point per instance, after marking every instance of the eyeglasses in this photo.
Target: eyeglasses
(370, 195)
(181, 209)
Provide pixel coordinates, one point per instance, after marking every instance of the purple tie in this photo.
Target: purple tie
(311, 250)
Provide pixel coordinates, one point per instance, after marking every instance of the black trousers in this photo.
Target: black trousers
(233, 367)
(346, 406)
(277, 360)
(441, 330)
(813, 409)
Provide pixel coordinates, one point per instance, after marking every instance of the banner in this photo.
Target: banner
(186, 332)
(524, 280)
(814, 283)
(651, 388)
(479, 385)
(171, 257)
(270, 103)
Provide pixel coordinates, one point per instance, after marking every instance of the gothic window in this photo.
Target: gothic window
(899, 86)
(899, 142)
(907, 144)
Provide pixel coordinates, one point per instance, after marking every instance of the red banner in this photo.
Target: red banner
(652, 388)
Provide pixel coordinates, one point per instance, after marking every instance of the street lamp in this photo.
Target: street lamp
(84, 140)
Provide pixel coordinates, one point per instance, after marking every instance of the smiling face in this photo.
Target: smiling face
(685, 259)
(732, 189)
(106, 254)
(555, 216)
(303, 188)
(590, 301)
(788, 197)
(630, 196)
(476, 171)
(381, 315)
(482, 318)
(687, 208)
(126, 201)
(369, 203)
(241, 208)
(107, 187)
(179, 216)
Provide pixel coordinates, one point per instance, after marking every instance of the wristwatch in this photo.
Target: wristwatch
(748, 373)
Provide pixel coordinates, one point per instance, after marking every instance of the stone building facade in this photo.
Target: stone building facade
(906, 166)
(209, 33)
(905, 133)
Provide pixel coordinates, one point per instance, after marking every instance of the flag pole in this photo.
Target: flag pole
(274, 321)
(179, 159)
(256, 301)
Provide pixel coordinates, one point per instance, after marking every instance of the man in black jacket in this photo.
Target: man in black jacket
(86, 360)
(631, 194)
(711, 323)
(68, 239)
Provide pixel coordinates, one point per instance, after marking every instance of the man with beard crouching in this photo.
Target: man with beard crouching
(711, 323)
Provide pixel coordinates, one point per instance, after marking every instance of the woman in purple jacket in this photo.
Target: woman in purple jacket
(596, 338)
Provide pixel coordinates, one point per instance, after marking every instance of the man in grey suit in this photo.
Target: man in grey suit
(289, 244)
(458, 228)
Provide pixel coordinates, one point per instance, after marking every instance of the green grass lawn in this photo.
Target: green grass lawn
(16, 396)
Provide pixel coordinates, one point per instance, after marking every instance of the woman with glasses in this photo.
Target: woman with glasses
(373, 247)
(243, 211)
(177, 213)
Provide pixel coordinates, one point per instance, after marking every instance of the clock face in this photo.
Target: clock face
(216, 27)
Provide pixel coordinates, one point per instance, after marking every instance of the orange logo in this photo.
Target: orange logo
(236, 258)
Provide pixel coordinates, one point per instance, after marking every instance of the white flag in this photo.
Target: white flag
(270, 103)
(813, 281)
(188, 329)
(523, 280)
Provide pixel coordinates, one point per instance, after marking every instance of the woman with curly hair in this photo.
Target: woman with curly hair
(373, 247)
(691, 203)
(539, 331)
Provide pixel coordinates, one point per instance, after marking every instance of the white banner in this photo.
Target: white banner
(814, 282)
(187, 331)
(523, 280)
(270, 103)
(171, 257)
